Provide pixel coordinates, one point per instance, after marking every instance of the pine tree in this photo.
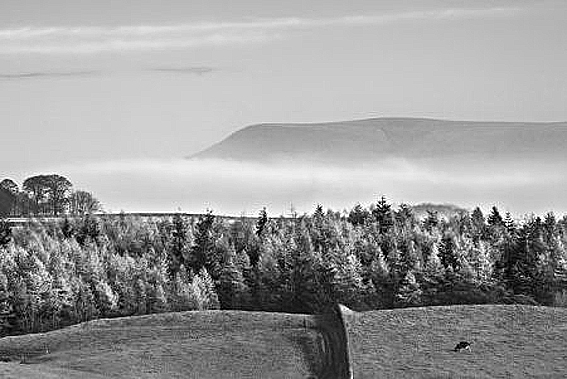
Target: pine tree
(358, 216)
(269, 278)
(140, 296)
(550, 227)
(448, 253)
(481, 261)
(495, 219)
(158, 279)
(348, 282)
(178, 250)
(105, 298)
(89, 230)
(233, 293)
(409, 292)
(7, 314)
(182, 293)
(85, 304)
(383, 215)
(203, 243)
(261, 222)
(5, 233)
(431, 221)
(204, 288)
(509, 223)
(304, 270)
(405, 217)
(521, 260)
(478, 225)
(67, 228)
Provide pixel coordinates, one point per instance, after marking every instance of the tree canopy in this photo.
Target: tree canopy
(45, 195)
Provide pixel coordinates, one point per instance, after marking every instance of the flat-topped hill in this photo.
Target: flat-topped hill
(372, 139)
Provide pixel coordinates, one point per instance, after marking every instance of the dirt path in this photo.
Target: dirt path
(335, 351)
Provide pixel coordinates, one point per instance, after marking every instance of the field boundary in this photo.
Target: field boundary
(342, 312)
(336, 349)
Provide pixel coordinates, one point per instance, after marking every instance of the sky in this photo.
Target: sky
(87, 85)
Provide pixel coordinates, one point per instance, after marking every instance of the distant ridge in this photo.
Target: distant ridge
(378, 138)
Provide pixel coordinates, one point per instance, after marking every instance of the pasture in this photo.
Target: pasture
(508, 341)
(209, 344)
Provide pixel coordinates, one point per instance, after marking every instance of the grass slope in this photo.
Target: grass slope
(215, 344)
(508, 342)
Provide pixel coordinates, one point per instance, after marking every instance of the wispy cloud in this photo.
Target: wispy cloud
(84, 40)
(193, 70)
(47, 74)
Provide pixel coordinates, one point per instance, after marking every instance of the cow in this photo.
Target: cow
(463, 345)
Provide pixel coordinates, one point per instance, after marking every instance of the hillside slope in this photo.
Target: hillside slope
(371, 139)
(215, 344)
(507, 342)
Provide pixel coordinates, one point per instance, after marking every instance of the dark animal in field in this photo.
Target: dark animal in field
(463, 345)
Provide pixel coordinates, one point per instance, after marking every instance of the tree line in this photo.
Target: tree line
(58, 273)
(45, 195)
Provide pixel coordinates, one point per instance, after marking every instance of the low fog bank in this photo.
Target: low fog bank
(229, 187)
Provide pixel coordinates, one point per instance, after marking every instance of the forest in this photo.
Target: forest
(72, 269)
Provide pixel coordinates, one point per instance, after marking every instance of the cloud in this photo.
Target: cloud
(47, 74)
(194, 70)
(235, 187)
(88, 40)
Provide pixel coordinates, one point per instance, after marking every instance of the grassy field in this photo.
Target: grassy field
(508, 342)
(176, 345)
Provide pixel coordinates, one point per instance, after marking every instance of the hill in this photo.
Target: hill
(507, 342)
(208, 344)
(372, 139)
(445, 211)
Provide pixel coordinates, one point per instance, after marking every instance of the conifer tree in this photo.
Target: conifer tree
(477, 218)
(157, 298)
(383, 215)
(431, 221)
(7, 314)
(409, 292)
(448, 253)
(269, 278)
(433, 268)
(358, 216)
(304, 267)
(203, 243)
(495, 219)
(178, 250)
(509, 223)
(204, 287)
(405, 217)
(182, 293)
(5, 233)
(233, 293)
(261, 222)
